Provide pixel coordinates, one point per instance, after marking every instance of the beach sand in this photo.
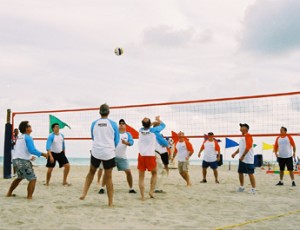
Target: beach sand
(203, 206)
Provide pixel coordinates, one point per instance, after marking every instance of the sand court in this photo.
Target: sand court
(203, 206)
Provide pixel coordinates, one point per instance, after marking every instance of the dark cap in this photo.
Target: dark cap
(210, 134)
(104, 109)
(244, 125)
(122, 121)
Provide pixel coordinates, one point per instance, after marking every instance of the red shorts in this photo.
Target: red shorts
(146, 162)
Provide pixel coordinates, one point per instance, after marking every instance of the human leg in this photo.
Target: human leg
(88, 180)
(13, 186)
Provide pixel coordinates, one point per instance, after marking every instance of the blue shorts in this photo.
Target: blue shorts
(213, 165)
(246, 168)
(122, 164)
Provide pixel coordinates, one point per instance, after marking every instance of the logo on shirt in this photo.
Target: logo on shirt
(102, 124)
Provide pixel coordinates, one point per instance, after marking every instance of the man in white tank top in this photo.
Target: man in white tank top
(246, 161)
(285, 151)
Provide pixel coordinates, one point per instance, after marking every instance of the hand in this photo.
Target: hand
(45, 155)
(218, 158)
(233, 155)
(242, 158)
(33, 158)
(124, 142)
(199, 155)
(157, 118)
(187, 158)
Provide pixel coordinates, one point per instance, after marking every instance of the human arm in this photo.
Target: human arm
(31, 148)
(292, 142)
(189, 148)
(92, 129)
(249, 143)
(130, 141)
(116, 133)
(218, 150)
(201, 149)
(235, 153)
(275, 149)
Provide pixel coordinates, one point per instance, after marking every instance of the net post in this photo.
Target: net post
(7, 147)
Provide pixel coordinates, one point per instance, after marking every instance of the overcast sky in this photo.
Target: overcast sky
(59, 54)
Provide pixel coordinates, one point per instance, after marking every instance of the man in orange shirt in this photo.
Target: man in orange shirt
(185, 150)
(283, 147)
(246, 161)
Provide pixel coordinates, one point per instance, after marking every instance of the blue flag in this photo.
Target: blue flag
(230, 143)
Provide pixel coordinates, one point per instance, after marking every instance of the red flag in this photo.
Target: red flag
(133, 132)
(174, 137)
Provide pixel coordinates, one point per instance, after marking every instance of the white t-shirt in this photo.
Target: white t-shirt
(249, 158)
(105, 135)
(182, 151)
(284, 147)
(121, 148)
(55, 143)
(147, 140)
(210, 152)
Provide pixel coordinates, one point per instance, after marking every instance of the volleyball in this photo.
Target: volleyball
(119, 51)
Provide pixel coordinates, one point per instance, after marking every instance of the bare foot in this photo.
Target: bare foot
(81, 198)
(10, 195)
(142, 198)
(217, 182)
(46, 184)
(189, 185)
(151, 195)
(66, 184)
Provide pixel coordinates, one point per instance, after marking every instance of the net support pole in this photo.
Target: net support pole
(7, 147)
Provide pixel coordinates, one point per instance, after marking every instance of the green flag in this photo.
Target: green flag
(254, 145)
(53, 119)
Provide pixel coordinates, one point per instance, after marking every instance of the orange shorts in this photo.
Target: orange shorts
(146, 163)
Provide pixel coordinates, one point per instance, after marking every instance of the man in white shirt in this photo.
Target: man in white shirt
(184, 150)
(285, 151)
(211, 156)
(57, 152)
(122, 162)
(246, 161)
(23, 149)
(146, 157)
(105, 136)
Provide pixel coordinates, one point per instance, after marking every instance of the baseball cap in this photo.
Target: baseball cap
(244, 125)
(122, 121)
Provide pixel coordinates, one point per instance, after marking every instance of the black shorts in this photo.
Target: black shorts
(60, 157)
(164, 158)
(107, 164)
(288, 162)
(245, 168)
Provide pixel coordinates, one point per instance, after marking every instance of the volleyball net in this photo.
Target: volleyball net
(264, 113)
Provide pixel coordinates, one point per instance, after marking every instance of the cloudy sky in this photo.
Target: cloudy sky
(59, 54)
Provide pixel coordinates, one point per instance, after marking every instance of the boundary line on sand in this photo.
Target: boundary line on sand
(258, 220)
